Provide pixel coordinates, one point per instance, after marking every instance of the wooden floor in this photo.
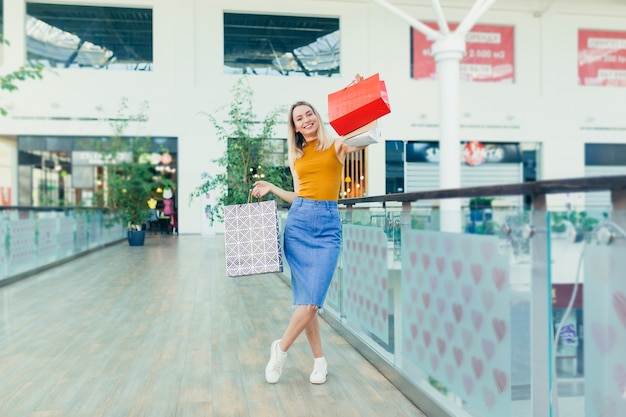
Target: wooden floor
(160, 330)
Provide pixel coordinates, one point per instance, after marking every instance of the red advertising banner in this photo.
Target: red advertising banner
(488, 58)
(601, 57)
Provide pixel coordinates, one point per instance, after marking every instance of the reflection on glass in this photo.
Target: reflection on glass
(281, 45)
(69, 36)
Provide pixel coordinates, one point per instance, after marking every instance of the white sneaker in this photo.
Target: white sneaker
(320, 370)
(275, 365)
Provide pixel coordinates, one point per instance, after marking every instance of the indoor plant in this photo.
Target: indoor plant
(248, 156)
(128, 176)
(130, 184)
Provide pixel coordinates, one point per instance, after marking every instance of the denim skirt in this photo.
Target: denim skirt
(312, 243)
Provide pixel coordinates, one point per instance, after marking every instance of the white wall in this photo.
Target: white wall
(8, 172)
(544, 105)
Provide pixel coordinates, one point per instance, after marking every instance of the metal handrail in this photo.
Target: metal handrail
(570, 185)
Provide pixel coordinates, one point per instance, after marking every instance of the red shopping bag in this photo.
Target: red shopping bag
(358, 104)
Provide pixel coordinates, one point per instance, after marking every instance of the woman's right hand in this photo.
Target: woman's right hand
(261, 188)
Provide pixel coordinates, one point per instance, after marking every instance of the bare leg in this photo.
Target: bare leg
(313, 335)
(300, 320)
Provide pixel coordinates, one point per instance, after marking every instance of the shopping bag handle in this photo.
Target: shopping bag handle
(355, 81)
(251, 198)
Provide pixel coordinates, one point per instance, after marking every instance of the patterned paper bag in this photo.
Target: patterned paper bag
(252, 242)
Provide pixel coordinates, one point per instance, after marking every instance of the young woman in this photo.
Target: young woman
(312, 232)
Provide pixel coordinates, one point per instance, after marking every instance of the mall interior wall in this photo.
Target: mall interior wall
(545, 104)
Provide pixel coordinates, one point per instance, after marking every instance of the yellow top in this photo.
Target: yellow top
(152, 203)
(319, 173)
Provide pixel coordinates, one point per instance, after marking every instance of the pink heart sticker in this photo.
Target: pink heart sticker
(458, 356)
(500, 379)
(477, 366)
(499, 277)
(489, 397)
(488, 348)
(426, 261)
(457, 311)
(457, 267)
(426, 337)
(426, 299)
(603, 336)
(619, 304)
(441, 346)
(441, 265)
(477, 272)
(619, 375)
(488, 298)
(499, 327)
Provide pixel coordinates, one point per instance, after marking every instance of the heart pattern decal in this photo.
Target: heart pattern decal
(364, 259)
(459, 315)
(604, 321)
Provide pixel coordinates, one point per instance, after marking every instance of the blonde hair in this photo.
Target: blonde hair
(295, 140)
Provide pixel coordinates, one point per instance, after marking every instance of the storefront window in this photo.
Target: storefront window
(97, 37)
(281, 45)
(68, 171)
(394, 166)
(354, 183)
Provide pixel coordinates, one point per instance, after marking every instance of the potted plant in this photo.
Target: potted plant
(248, 157)
(130, 183)
(128, 176)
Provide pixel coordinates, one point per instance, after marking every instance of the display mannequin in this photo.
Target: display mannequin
(168, 201)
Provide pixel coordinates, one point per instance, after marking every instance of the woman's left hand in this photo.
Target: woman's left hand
(261, 188)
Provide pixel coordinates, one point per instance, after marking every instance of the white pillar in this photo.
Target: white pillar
(448, 52)
(14, 55)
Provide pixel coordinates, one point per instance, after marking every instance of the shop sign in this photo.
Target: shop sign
(99, 158)
(474, 153)
(471, 153)
(489, 54)
(601, 58)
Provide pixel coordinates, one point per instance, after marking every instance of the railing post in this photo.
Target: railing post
(405, 224)
(349, 208)
(540, 311)
(405, 215)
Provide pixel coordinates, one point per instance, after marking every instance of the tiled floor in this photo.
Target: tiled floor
(160, 330)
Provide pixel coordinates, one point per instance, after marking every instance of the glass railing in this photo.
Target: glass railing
(588, 263)
(31, 238)
(465, 323)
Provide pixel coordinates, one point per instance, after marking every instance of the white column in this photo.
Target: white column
(14, 55)
(448, 52)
